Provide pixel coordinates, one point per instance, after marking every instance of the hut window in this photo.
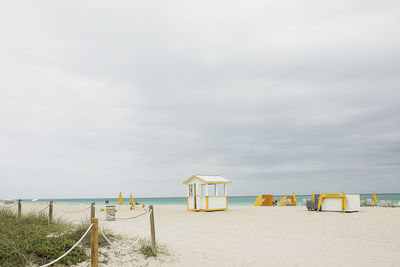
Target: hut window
(203, 190)
(211, 191)
(220, 189)
(190, 190)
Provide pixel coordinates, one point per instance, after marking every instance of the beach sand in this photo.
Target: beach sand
(256, 236)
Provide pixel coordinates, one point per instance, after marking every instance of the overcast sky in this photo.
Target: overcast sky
(98, 97)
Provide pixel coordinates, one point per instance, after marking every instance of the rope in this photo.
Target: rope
(39, 211)
(102, 233)
(65, 254)
(30, 210)
(137, 239)
(71, 211)
(128, 218)
(121, 218)
(134, 243)
(42, 209)
(13, 205)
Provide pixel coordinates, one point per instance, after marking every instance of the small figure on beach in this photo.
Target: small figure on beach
(106, 202)
(274, 203)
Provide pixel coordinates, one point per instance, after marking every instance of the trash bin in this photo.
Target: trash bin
(110, 213)
(316, 201)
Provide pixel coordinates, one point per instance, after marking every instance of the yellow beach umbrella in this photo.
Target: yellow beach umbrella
(132, 202)
(120, 199)
(375, 199)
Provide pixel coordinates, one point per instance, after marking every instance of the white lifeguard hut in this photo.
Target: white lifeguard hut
(203, 194)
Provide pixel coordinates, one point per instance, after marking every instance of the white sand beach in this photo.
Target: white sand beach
(258, 236)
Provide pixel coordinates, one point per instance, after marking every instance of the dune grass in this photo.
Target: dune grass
(147, 251)
(144, 248)
(31, 239)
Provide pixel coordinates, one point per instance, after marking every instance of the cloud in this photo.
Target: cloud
(137, 96)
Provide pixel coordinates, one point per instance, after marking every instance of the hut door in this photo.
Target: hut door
(195, 196)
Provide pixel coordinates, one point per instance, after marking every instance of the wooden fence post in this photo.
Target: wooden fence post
(152, 229)
(94, 243)
(19, 209)
(51, 212)
(92, 211)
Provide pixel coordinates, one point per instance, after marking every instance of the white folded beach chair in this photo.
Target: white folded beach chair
(389, 203)
(383, 203)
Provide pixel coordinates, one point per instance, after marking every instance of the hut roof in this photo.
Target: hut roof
(209, 179)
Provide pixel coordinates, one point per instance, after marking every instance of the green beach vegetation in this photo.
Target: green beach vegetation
(30, 239)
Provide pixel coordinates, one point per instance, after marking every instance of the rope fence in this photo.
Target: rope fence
(94, 227)
(77, 211)
(42, 209)
(6, 205)
(105, 237)
(37, 211)
(137, 239)
(103, 212)
(66, 253)
(128, 218)
(140, 235)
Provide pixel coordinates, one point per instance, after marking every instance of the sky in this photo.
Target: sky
(99, 97)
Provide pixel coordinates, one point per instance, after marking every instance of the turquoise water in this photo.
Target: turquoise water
(232, 200)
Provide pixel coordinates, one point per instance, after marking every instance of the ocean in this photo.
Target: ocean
(232, 200)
